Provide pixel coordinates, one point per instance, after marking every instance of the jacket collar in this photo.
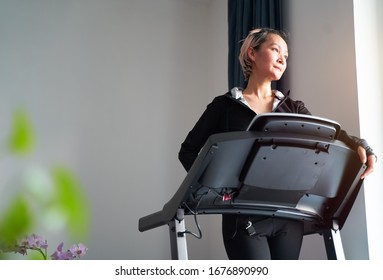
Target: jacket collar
(237, 93)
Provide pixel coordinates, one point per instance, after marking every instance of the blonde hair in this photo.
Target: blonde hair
(255, 39)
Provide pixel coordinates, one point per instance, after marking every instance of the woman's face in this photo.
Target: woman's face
(270, 60)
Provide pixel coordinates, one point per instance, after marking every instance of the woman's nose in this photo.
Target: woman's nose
(281, 60)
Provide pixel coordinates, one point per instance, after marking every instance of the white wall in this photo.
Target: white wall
(211, 244)
(113, 87)
(369, 61)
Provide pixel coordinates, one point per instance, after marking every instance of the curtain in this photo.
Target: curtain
(244, 15)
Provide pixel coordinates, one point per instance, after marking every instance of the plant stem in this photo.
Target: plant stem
(42, 253)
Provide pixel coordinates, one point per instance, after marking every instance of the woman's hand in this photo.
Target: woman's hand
(369, 161)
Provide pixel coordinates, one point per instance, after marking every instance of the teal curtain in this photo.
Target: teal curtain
(244, 15)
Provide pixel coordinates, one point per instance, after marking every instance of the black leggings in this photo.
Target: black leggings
(274, 238)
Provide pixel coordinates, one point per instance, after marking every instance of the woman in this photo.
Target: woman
(263, 58)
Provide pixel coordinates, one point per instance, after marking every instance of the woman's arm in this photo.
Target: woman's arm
(207, 125)
(364, 151)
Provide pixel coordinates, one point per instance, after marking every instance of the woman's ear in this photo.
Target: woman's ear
(251, 53)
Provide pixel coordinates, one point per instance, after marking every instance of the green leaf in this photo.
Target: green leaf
(15, 221)
(71, 201)
(22, 138)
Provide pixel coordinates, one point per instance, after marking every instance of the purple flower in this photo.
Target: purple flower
(21, 250)
(75, 251)
(60, 255)
(35, 242)
(78, 250)
(32, 242)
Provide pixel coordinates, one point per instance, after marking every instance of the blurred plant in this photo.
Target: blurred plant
(48, 196)
(22, 138)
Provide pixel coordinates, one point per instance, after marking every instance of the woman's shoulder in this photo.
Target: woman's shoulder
(291, 105)
(223, 98)
(234, 94)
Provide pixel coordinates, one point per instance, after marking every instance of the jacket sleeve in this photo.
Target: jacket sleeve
(196, 138)
(354, 142)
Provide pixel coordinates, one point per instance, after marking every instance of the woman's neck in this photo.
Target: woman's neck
(260, 89)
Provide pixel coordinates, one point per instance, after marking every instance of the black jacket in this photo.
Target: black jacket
(226, 114)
